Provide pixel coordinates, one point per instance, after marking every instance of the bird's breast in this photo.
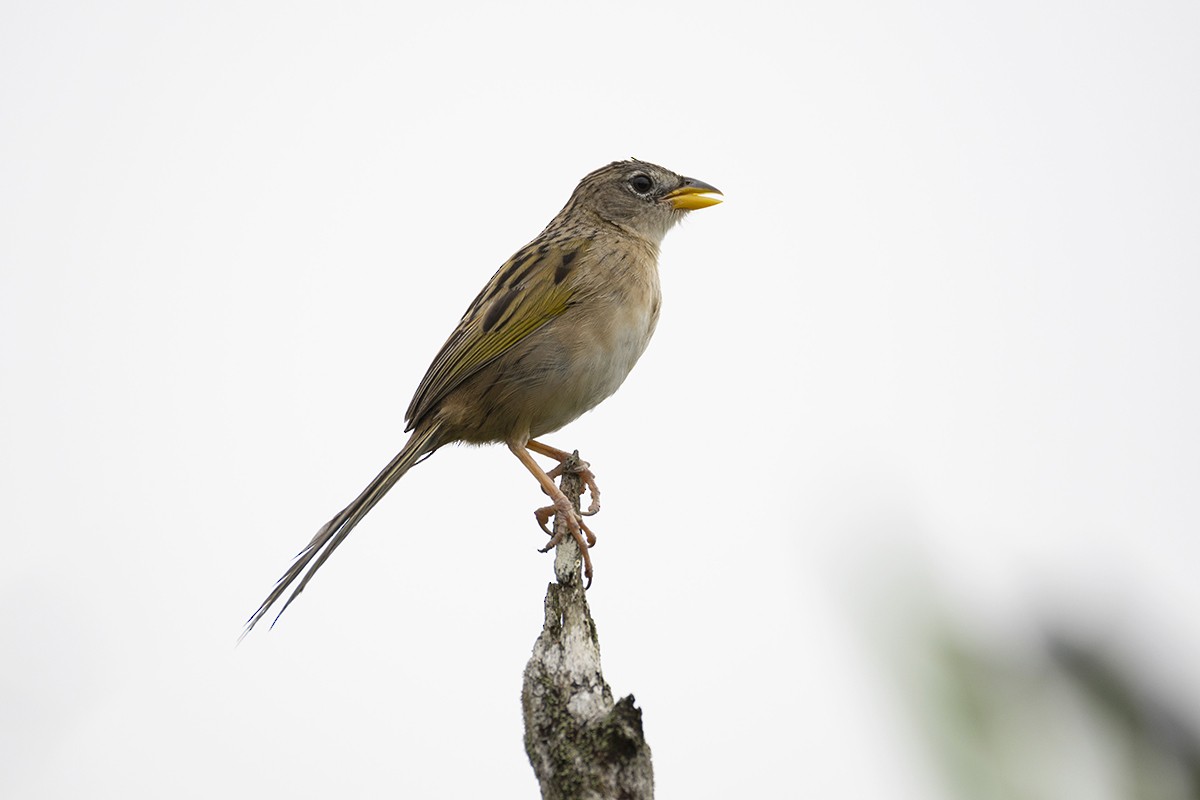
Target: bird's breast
(602, 341)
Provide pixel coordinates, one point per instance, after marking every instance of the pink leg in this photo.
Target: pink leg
(562, 505)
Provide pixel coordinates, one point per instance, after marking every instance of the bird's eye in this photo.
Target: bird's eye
(641, 184)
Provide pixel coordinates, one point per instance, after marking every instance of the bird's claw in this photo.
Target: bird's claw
(543, 515)
(583, 470)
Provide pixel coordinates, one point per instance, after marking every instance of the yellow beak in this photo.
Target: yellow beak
(694, 194)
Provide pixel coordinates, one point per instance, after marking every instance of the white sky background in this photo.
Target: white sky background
(947, 317)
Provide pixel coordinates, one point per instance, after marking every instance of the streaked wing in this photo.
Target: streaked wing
(524, 294)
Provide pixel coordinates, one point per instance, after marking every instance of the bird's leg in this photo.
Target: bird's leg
(562, 505)
(583, 471)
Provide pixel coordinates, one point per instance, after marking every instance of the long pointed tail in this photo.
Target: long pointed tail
(335, 531)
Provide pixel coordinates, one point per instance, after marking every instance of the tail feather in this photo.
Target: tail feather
(334, 532)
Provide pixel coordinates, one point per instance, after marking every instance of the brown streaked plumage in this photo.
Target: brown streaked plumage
(554, 332)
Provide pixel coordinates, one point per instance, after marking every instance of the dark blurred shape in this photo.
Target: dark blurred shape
(1152, 729)
(1041, 712)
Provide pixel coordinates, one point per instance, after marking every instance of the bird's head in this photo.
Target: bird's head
(638, 196)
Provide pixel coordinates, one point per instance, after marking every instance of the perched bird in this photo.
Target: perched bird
(554, 332)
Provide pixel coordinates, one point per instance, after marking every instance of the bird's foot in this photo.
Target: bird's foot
(583, 470)
(543, 516)
(562, 507)
(579, 528)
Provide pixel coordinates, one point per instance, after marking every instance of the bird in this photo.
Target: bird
(554, 332)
